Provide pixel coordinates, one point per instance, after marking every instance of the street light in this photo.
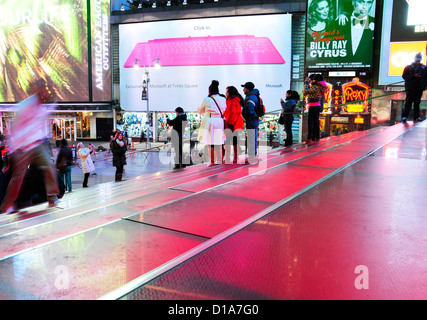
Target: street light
(145, 86)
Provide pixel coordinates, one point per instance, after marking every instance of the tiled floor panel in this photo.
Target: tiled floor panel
(295, 226)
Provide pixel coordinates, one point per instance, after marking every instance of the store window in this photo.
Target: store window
(83, 127)
(133, 123)
(62, 129)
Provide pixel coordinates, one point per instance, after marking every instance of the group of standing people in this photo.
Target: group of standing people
(229, 112)
(64, 161)
(225, 116)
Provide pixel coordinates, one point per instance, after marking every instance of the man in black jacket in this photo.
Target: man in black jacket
(178, 125)
(415, 83)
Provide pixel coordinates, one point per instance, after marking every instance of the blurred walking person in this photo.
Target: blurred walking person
(28, 134)
(87, 163)
(118, 148)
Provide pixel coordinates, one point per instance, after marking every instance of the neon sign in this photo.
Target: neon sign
(328, 98)
(355, 95)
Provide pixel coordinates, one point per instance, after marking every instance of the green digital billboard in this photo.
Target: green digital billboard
(48, 39)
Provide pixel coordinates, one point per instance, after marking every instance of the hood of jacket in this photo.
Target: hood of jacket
(254, 91)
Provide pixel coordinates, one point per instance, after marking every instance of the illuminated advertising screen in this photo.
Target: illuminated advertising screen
(101, 50)
(193, 52)
(404, 35)
(49, 40)
(340, 34)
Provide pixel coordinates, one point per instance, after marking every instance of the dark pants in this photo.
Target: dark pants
(412, 97)
(66, 178)
(119, 173)
(177, 145)
(38, 156)
(289, 119)
(313, 122)
(85, 180)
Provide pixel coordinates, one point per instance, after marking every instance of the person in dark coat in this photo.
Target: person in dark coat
(415, 83)
(65, 171)
(251, 117)
(119, 148)
(178, 125)
(288, 108)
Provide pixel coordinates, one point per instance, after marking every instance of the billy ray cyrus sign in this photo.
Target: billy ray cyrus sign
(340, 34)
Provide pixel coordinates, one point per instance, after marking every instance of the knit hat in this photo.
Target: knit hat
(418, 57)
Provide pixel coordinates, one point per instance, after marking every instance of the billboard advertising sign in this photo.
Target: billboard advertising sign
(49, 40)
(101, 48)
(339, 34)
(193, 52)
(404, 35)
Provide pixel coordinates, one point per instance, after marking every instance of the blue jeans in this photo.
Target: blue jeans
(67, 175)
(252, 137)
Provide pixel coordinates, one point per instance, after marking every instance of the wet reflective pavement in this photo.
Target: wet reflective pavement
(340, 219)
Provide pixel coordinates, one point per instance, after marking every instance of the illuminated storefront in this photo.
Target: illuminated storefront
(349, 109)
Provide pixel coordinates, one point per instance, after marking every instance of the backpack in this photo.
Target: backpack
(259, 108)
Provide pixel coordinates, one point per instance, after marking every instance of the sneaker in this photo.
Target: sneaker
(404, 119)
(53, 203)
(10, 210)
(177, 167)
(419, 120)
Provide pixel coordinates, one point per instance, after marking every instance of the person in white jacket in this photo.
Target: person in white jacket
(211, 131)
(87, 163)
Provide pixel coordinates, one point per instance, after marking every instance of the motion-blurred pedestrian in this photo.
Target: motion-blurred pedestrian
(27, 148)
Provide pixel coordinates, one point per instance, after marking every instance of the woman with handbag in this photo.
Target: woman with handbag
(211, 131)
(287, 114)
(234, 122)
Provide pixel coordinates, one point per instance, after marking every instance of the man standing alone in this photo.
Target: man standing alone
(415, 83)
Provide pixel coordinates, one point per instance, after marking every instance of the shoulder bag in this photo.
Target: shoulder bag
(222, 116)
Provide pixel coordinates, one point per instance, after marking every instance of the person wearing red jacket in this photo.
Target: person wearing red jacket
(234, 121)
